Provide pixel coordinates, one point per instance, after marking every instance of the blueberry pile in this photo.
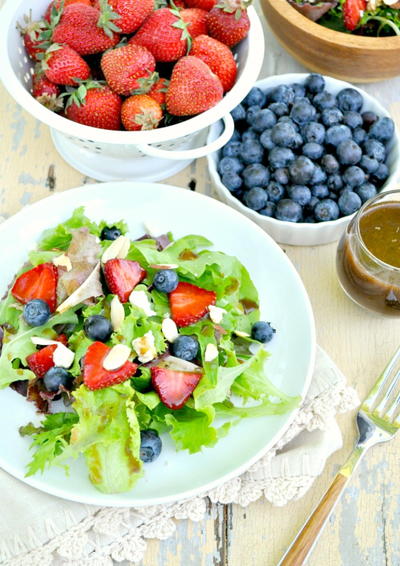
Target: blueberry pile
(302, 154)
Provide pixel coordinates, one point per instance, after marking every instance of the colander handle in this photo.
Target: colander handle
(192, 153)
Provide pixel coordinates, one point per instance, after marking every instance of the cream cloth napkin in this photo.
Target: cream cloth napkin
(41, 530)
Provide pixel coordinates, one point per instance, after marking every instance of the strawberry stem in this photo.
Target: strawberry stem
(106, 19)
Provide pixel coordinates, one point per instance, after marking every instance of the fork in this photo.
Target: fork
(378, 421)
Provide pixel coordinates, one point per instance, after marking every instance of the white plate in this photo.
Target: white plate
(283, 301)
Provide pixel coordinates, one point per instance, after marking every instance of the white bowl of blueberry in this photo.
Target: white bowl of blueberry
(306, 153)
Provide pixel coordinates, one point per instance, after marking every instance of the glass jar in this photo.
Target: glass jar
(365, 277)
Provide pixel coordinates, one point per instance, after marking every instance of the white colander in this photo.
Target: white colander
(114, 155)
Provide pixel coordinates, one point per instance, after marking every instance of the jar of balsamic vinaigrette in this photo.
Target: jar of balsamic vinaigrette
(368, 255)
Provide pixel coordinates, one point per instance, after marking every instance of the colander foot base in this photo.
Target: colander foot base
(102, 167)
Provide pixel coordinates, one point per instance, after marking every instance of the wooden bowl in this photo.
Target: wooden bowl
(348, 57)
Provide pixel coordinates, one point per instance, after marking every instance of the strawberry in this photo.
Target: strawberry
(174, 387)
(193, 88)
(165, 34)
(58, 4)
(228, 24)
(206, 5)
(196, 21)
(95, 104)
(218, 57)
(95, 376)
(122, 276)
(62, 338)
(85, 29)
(123, 66)
(132, 13)
(38, 283)
(46, 92)
(155, 87)
(352, 13)
(189, 303)
(62, 65)
(34, 37)
(141, 112)
(41, 361)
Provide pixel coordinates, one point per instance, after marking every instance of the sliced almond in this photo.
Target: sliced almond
(177, 364)
(91, 287)
(116, 357)
(63, 356)
(145, 347)
(210, 353)
(38, 341)
(141, 300)
(216, 313)
(169, 329)
(117, 313)
(241, 334)
(118, 249)
(164, 265)
(63, 261)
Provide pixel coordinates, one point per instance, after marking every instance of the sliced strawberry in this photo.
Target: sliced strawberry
(37, 283)
(174, 387)
(95, 376)
(189, 303)
(352, 13)
(62, 338)
(41, 361)
(122, 276)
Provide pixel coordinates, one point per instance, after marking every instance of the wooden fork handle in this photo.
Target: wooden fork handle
(305, 540)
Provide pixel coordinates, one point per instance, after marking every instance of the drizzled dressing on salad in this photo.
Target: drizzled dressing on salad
(136, 338)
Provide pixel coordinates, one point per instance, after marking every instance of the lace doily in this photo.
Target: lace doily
(109, 536)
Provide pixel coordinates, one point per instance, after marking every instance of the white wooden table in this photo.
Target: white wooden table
(364, 528)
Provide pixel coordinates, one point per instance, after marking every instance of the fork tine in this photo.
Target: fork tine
(376, 392)
(380, 408)
(392, 410)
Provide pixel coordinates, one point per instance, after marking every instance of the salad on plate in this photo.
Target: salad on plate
(119, 341)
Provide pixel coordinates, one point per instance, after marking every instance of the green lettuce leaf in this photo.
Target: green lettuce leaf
(37, 257)
(204, 332)
(79, 343)
(10, 311)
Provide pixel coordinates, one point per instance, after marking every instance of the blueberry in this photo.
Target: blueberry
(275, 191)
(262, 120)
(298, 89)
(238, 113)
(324, 100)
(235, 136)
(282, 93)
(349, 99)
(288, 120)
(252, 151)
(251, 111)
(255, 96)
(284, 134)
(166, 280)
(232, 149)
(326, 210)
(255, 175)
(185, 347)
(314, 83)
(303, 112)
(359, 135)
(349, 202)
(280, 157)
(366, 191)
(300, 194)
(320, 191)
(381, 174)
(313, 150)
(369, 118)
(313, 132)
(312, 204)
(150, 445)
(309, 219)
(98, 327)
(265, 139)
(334, 182)
(348, 152)
(56, 377)
(301, 170)
(36, 312)
(333, 196)
(376, 149)
(279, 109)
(229, 165)
(110, 233)
(262, 331)
(352, 119)
(288, 211)
(281, 176)
(256, 198)
(331, 116)
(268, 210)
(382, 129)
(298, 141)
(354, 176)
(249, 134)
(330, 164)
(319, 176)
(369, 164)
(336, 134)
(232, 181)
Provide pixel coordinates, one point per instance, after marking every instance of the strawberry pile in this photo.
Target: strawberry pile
(134, 64)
